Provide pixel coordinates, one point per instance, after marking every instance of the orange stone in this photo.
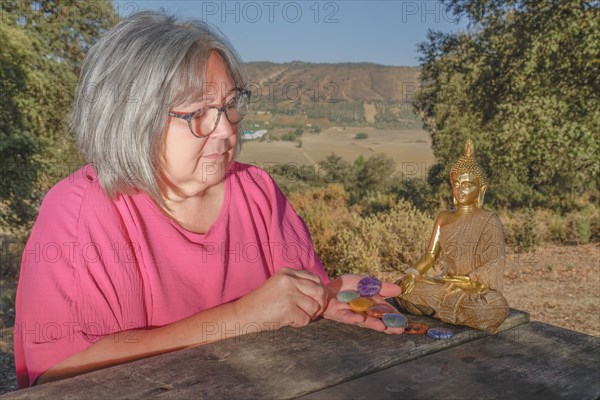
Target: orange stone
(379, 310)
(415, 329)
(361, 304)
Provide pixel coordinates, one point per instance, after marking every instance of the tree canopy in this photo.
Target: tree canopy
(43, 45)
(524, 82)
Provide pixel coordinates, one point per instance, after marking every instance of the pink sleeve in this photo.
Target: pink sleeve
(291, 245)
(73, 287)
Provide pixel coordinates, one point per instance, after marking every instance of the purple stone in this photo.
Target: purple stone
(369, 286)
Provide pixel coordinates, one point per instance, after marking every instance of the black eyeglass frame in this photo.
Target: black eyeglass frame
(190, 116)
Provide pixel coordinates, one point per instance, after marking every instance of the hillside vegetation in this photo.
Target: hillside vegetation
(346, 94)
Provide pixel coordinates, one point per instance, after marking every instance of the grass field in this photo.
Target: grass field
(409, 148)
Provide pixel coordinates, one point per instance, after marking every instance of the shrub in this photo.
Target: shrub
(418, 192)
(361, 136)
(324, 211)
(520, 229)
(376, 203)
(581, 225)
(556, 227)
(383, 242)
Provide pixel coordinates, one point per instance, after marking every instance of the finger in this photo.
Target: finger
(344, 282)
(307, 304)
(394, 331)
(305, 275)
(299, 318)
(348, 317)
(317, 292)
(380, 300)
(390, 289)
(315, 288)
(373, 323)
(341, 312)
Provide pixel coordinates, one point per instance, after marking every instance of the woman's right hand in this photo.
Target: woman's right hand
(290, 297)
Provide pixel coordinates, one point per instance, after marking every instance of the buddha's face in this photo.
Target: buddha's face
(466, 189)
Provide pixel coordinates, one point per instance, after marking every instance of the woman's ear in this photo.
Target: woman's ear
(482, 190)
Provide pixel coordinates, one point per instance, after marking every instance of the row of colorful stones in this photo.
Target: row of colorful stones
(360, 301)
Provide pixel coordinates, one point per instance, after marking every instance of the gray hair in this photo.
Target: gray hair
(145, 65)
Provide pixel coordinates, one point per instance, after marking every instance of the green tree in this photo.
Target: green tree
(43, 44)
(524, 82)
(418, 192)
(375, 175)
(338, 170)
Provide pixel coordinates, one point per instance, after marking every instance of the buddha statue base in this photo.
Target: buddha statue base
(450, 300)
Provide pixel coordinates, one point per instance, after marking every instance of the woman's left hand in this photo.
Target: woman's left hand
(341, 312)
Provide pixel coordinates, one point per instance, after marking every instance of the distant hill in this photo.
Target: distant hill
(342, 81)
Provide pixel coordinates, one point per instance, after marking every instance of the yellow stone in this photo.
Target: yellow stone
(361, 304)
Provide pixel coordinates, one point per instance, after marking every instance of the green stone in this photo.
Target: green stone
(346, 296)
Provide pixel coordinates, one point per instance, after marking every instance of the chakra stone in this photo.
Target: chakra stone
(379, 310)
(394, 320)
(440, 333)
(361, 304)
(415, 329)
(369, 286)
(346, 296)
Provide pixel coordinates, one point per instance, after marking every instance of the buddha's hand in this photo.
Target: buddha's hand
(479, 287)
(341, 312)
(408, 283)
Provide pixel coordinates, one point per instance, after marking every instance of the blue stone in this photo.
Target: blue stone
(394, 320)
(440, 333)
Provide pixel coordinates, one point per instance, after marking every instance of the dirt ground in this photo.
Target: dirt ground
(409, 148)
(558, 285)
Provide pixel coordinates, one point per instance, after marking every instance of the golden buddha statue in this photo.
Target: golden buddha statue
(470, 240)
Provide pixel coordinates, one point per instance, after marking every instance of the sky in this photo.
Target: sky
(382, 32)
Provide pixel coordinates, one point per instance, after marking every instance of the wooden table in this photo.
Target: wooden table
(328, 360)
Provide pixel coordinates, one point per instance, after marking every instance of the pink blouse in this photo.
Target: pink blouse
(95, 266)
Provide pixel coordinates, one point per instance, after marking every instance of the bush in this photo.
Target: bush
(556, 227)
(418, 192)
(376, 203)
(11, 245)
(521, 230)
(581, 225)
(384, 242)
(361, 136)
(291, 136)
(324, 211)
(527, 228)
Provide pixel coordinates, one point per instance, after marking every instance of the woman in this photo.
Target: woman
(163, 235)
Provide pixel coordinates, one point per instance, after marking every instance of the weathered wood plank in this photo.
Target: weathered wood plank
(533, 361)
(279, 364)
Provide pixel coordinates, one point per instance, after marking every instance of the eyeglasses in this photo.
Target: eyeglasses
(204, 121)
